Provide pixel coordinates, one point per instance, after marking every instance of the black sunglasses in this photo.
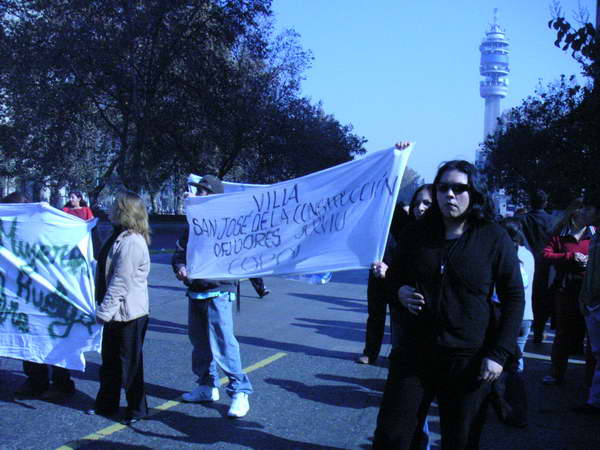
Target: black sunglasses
(457, 188)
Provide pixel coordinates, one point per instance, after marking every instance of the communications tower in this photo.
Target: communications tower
(494, 68)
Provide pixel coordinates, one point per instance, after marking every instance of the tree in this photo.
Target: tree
(132, 63)
(149, 90)
(583, 42)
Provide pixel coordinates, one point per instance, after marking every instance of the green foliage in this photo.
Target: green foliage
(583, 42)
(550, 142)
(146, 91)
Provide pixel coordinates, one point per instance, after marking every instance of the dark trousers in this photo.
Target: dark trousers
(39, 377)
(258, 284)
(414, 380)
(541, 298)
(512, 404)
(377, 299)
(570, 331)
(123, 366)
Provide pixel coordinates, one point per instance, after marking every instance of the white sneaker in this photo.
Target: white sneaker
(202, 393)
(239, 405)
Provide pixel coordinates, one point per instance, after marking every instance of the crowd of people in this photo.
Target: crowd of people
(464, 290)
(121, 290)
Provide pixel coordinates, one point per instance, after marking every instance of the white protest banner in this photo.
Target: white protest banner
(229, 186)
(47, 306)
(335, 219)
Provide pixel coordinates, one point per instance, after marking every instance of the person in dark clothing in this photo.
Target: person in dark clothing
(537, 226)
(377, 292)
(453, 346)
(259, 286)
(510, 403)
(378, 298)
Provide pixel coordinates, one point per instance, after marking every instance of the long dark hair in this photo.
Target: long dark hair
(480, 209)
(79, 195)
(565, 220)
(411, 208)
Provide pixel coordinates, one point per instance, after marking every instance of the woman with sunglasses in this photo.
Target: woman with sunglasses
(443, 274)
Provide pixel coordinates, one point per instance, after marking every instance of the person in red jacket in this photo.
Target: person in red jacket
(568, 252)
(77, 206)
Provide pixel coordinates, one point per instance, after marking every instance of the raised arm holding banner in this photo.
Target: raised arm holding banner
(335, 219)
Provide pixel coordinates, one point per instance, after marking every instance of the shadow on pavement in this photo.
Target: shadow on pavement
(297, 348)
(346, 396)
(11, 380)
(374, 384)
(164, 326)
(207, 431)
(106, 444)
(348, 331)
(153, 390)
(352, 305)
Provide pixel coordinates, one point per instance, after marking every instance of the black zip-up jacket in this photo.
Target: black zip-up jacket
(457, 278)
(179, 259)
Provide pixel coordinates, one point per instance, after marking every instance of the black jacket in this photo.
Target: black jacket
(198, 285)
(537, 227)
(457, 279)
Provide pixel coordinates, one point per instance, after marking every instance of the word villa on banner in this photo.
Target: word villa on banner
(335, 219)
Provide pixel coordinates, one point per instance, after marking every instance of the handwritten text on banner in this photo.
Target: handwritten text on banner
(47, 304)
(335, 219)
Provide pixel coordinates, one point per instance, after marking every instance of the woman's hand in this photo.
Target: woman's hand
(181, 274)
(580, 259)
(402, 145)
(379, 269)
(490, 370)
(411, 299)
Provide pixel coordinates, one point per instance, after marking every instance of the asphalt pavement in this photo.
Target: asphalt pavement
(299, 345)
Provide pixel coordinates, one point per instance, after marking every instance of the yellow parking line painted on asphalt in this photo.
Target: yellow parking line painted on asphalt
(104, 432)
(547, 358)
(260, 364)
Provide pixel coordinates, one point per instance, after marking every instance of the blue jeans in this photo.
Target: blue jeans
(210, 329)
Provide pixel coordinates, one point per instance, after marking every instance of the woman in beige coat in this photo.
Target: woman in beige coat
(122, 293)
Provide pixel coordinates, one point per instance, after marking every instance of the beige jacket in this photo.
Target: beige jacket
(127, 267)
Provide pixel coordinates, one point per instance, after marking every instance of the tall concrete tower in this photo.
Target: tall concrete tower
(494, 68)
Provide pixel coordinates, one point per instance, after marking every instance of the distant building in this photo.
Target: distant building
(493, 88)
(494, 68)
